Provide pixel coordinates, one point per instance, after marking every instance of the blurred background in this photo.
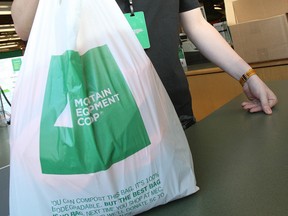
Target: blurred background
(11, 45)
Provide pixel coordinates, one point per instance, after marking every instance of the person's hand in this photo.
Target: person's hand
(261, 98)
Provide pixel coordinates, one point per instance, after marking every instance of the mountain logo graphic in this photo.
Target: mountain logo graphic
(90, 119)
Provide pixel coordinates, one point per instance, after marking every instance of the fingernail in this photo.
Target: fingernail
(268, 111)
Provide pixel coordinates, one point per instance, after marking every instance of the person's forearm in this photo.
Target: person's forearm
(212, 45)
(23, 12)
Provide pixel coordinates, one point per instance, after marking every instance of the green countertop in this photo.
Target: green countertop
(4, 171)
(241, 163)
(4, 147)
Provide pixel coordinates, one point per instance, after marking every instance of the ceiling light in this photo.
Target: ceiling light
(5, 8)
(7, 29)
(8, 46)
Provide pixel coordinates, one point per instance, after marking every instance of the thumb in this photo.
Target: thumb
(265, 105)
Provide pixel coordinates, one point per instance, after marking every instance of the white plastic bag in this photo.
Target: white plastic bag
(93, 130)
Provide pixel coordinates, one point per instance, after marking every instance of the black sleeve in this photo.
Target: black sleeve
(186, 5)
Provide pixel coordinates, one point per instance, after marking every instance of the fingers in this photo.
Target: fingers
(256, 106)
(252, 106)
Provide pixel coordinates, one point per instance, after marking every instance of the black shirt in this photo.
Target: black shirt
(163, 24)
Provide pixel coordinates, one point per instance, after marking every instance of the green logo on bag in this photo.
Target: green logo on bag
(90, 119)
